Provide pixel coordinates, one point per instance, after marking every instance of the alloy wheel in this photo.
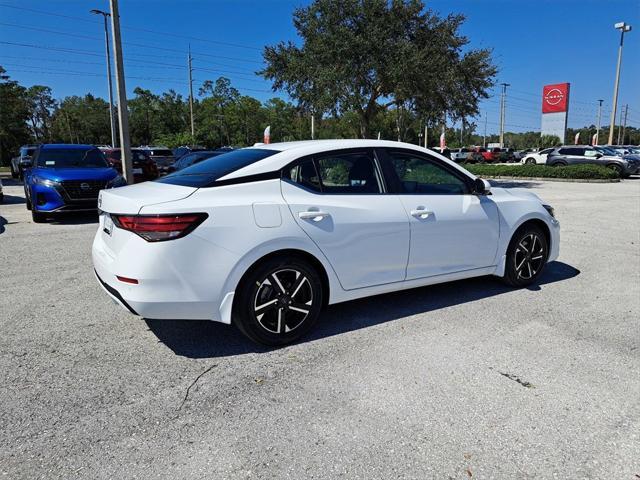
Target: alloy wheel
(529, 256)
(283, 300)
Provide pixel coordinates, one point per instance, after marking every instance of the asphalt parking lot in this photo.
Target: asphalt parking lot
(457, 381)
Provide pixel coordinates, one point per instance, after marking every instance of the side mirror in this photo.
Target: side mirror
(482, 187)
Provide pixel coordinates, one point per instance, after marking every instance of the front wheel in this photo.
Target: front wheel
(526, 256)
(37, 217)
(616, 168)
(530, 161)
(279, 301)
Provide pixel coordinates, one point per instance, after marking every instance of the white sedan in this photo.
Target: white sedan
(537, 158)
(264, 237)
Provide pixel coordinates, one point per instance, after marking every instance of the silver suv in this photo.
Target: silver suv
(586, 154)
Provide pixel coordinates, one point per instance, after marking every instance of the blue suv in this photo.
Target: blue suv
(67, 178)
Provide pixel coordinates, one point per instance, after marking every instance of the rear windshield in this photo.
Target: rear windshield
(71, 158)
(205, 173)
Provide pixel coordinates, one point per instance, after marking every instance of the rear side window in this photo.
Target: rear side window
(571, 151)
(305, 175)
(207, 172)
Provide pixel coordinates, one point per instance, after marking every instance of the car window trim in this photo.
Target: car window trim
(395, 180)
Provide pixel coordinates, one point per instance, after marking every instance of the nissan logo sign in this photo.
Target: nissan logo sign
(85, 186)
(554, 96)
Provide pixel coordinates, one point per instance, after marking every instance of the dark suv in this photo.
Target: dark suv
(23, 161)
(586, 154)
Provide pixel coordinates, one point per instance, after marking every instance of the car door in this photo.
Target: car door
(340, 201)
(452, 230)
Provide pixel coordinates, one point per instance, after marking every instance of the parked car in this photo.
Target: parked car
(67, 178)
(537, 158)
(184, 149)
(507, 155)
(445, 152)
(630, 154)
(586, 154)
(460, 154)
(195, 157)
(22, 161)
(265, 237)
(162, 156)
(143, 167)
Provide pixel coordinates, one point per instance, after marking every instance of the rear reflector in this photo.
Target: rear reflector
(133, 281)
(157, 228)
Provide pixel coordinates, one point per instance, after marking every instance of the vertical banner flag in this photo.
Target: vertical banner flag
(594, 139)
(555, 109)
(443, 143)
(267, 134)
(576, 140)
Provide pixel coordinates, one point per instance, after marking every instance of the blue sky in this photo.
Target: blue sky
(535, 42)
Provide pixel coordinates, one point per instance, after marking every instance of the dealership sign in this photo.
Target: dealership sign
(555, 108)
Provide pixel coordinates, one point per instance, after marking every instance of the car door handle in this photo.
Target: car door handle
(421, 213)
(311, 215)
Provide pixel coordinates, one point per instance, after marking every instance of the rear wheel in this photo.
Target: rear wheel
(279, 301)
(526, 256)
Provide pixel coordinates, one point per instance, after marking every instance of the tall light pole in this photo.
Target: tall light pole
(598, 126)
(123, 113)
(623, 27)
(112, 117)
(624, 123)
(503, 101)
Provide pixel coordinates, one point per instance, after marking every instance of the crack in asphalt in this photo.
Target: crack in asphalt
(186, 395)
(513, 377)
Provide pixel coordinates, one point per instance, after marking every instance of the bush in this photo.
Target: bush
(572, 171)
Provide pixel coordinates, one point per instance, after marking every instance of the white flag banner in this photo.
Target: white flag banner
(443, 142)
(576, 140)
(594, 139)
(267, 134)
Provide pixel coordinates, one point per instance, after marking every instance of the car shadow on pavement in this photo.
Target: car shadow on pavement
(13, 200)
(73, 218)
(513, 183)
(205, 339)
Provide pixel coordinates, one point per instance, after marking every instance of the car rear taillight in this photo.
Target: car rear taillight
(157, 228)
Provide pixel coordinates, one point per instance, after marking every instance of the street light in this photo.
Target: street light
(623, 27)
(106, 39)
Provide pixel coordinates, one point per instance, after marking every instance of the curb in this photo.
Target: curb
(566, 180)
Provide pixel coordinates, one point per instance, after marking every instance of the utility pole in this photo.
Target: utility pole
(123, 113)
(461, 133)
(313, 127)
(426, 134)
(624, 123)
(193, 130)
(598, 126)
(112, 117)
(623, 27)
(484, 137)
(503, 101)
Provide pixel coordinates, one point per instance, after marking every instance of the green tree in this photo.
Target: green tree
(41, 108)
(81, 120)
(368, 55)
(14, 115)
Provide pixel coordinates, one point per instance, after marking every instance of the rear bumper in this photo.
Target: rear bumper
(177, 280)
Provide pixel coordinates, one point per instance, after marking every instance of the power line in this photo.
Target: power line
(139, 29)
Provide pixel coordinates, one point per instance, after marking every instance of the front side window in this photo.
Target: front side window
(419, 175)
(71, 158)
(350, 173)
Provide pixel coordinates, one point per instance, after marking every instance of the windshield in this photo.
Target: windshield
(71, 158)
(207, 172)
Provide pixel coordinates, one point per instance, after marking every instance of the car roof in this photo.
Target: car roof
(287, 152)
(66, 146)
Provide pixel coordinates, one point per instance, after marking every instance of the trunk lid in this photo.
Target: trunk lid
(132, 198)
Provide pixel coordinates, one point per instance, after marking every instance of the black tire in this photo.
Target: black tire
(530, 161)
(38, 217)
(13, 173)
(1, 197)
(27, 199)
(559, 164)
(526, 256)
(616, 168)
(271, 299)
